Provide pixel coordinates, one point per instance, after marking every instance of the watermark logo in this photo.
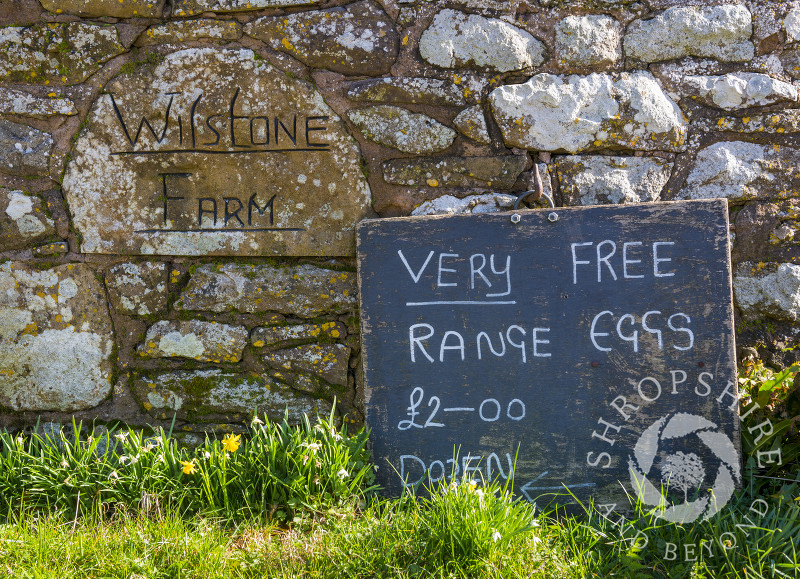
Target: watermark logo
(692, 451)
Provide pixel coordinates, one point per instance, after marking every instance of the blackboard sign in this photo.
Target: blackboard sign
(587, 348)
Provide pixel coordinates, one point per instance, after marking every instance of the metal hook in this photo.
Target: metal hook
(538, 192)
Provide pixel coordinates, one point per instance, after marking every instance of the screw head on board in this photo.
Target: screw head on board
(516, 218)
(552, 217)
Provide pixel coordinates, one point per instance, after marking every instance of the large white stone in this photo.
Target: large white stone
(739, 170)
(596, 179)
(56, 338)
(791, 23)
(578, 113)
(775, 294)
(457, 40)
(737, 90)
(721, 32)
(588, 41)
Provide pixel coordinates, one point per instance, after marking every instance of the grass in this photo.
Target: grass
(298, 502)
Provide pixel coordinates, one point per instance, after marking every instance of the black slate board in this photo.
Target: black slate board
(546, 411)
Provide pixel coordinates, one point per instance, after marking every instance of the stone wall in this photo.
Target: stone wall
(180, 179)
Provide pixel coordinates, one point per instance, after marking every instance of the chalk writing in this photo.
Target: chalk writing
(489, 410)
(491, 346)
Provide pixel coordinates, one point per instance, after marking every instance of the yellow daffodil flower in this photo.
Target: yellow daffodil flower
(188, 467)
(231, 442)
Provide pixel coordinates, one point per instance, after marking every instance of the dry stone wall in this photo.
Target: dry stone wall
(180, 179)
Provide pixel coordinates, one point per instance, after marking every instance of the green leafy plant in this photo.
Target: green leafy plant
(279, 471)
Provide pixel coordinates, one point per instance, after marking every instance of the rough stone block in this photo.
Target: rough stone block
(427, 91)
(738, 170)
(23, 221)
(190, 7)
(358, 38)
(271, 336)
(499, 171)
(23, 149)
(791, 23)
(457, 40)
(205, 341)
(790, 61)
(471, 122)
(721, 32)
(595, 179)
(303, 290)
(113, 8)
(401, 129)
(327, 361)
(579, 113)
(449, 205)
(17, 102)
(214, 395)
(188, 30)
(138, 288)
(735, 90)
(56, 338)
(67, 53)
(768, 291)
(592, 41)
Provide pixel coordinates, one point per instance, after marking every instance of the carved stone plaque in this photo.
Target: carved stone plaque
(215, 152)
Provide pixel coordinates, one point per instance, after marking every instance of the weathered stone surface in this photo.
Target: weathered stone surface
(190, 7)
(721, 32)
(188, 30)
(271, 336)
(790, 60)
(205, 341)
(471, 122)
(770, 292)
(456, 40)
(595, 179)
(56, 338)
(734, 91)
(787, 121)
(578, 113)
(429, 91)
(23, 221)
(401, 129)
(17, 102)
(791, 23)
(304, 290)
(739, 170)
(588, 41)
(115, 8)
(766, 231)
(56, 248)
(499, 172)
(588, 4)
(201, 182)
(138, 288)
(23, 149)
(327, 361)
(490, 7)
(449, 205)
(67, 53)
(355, 39)
(212, 395)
